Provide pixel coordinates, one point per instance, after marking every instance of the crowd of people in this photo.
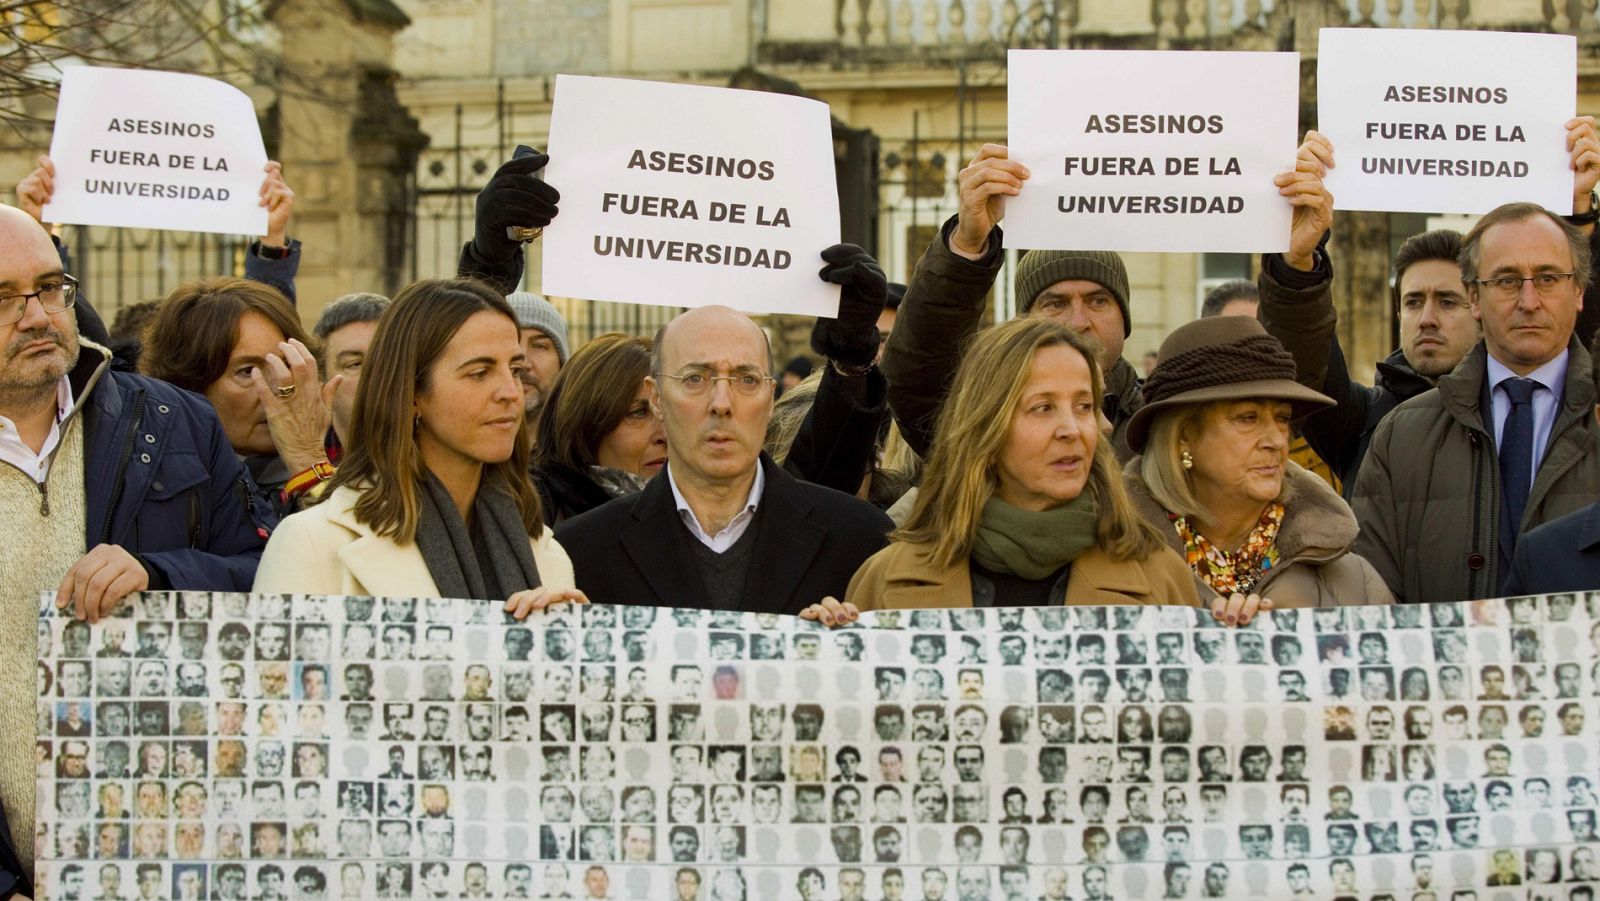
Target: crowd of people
(450, 442)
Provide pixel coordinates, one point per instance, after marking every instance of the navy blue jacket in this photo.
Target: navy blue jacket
(162, 481)
(1561, 555)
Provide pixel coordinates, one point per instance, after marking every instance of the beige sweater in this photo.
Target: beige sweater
(41, 546)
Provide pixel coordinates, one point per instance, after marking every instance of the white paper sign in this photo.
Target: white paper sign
(685, 195)
(142, 149)
(1151, 150)
(1446, 121)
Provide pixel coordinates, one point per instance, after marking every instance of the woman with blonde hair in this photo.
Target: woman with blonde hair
(1021, 503)
(432, 498)
(1215, 479)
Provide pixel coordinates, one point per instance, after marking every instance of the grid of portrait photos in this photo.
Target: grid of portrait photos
(255, 746)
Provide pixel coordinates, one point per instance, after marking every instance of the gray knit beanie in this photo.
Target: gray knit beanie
(1039, 269)
(534, 311)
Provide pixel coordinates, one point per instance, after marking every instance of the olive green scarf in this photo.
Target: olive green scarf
(1034, 545)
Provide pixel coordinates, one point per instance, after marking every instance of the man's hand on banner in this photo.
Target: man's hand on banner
(97, 583)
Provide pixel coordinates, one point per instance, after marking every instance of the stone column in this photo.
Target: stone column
(347, 146)
(1360, 251)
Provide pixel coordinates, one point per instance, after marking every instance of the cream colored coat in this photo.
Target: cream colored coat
(325, 550)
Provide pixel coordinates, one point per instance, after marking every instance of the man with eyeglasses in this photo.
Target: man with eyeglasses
(1437, 324)
(1505, 442)
(88, 446)
(727, 528)
(110, 483)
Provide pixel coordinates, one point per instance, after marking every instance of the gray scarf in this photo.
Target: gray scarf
(493, 560)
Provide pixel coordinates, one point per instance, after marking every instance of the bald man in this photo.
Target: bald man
(726, 529)
(110, 483)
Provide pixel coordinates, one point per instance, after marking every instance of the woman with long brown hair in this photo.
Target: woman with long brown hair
(432, 497)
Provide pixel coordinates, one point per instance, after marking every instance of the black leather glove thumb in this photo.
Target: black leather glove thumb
(513, 197)
(852, 338)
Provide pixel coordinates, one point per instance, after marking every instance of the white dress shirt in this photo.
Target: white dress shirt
(735, 528)
(20, 455)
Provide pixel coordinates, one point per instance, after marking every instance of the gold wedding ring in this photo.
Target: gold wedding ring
(523, 233)
(284, 391)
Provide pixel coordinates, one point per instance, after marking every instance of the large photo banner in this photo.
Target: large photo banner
(234, 746)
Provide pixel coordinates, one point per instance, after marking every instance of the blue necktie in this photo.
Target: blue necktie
(1516, 451)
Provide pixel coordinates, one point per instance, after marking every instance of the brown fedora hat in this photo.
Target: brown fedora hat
(1220, 358)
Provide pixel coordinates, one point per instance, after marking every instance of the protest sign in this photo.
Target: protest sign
(685, 195)
(1446, 121)
(1151, 150)
(228, 745)
(141, 149)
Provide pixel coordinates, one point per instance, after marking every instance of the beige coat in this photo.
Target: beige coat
(900, 577)
(325, 550)
(1315, 566)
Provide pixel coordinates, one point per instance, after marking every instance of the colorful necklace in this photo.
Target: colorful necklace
(1239, 571)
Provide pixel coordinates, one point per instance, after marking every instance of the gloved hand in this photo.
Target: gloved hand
(852, 338)
(513, 197)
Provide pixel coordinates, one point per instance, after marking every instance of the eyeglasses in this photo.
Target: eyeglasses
(697, 384)
(1545, 284)
(53, 296)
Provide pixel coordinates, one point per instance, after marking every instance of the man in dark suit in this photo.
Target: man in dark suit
(1563, 554)
(723, 528)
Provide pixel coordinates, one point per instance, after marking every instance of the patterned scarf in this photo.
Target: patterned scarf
(1240, 570)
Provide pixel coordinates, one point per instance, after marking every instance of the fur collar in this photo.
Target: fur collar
(1317, 528)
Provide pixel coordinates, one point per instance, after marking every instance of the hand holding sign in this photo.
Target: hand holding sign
(985, 183)
(515, 198)
(278, 199)
(34, 191)
(852, 337)
(1313, 205)
(1584, 146)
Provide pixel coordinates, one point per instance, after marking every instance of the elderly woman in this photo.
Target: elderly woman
(241, 345)
(597, 436)
(432, 498)
(1021, 503)
(1214, 474)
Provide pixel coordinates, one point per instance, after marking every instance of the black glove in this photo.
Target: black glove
(513, 197)
(851, 339)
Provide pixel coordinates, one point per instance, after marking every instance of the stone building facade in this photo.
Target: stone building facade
(415, 102)
(925, 79)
